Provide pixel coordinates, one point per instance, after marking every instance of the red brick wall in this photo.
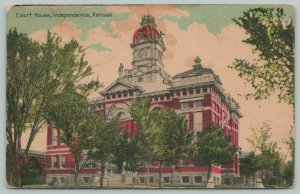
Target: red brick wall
(206, 118)
(49, 134)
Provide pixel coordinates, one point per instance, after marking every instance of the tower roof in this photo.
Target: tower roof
(147, 30)
(148, 20)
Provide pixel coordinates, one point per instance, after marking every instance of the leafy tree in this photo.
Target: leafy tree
(260, 137)
(144, 119)
(35, 73)
(134, 160)
(171, 138)
(121, 152)
(69, 113)
(249, 166)
(269, 158)
(289, 173)
(272, 35)
(103, 138)
(290, 142)
(163, 135)
(213, 147)
(32, 172)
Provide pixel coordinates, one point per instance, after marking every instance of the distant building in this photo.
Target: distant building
(196, 93)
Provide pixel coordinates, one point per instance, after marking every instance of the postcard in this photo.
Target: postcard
(150, 96)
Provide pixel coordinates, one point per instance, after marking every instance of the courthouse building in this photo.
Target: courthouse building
(196, 93)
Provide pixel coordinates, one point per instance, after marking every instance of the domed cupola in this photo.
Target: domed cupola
(147, 30)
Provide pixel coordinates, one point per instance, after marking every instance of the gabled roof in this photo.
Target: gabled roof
(198, 69)
(118, 86)
(193, 72)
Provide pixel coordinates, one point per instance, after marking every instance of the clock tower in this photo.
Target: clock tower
(147, 54)
(148, 45)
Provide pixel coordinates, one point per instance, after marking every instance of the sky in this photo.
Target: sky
(206, 31)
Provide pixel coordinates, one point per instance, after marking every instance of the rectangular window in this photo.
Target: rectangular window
(185, 179)
(191, 92)
(86, 179)
(125, 94)
(151, 179)
(168, 97)
(142, 179)
(198, 179)
(54, 136)
(54, 161)
(184, 93)
(198, 91)
(62, 180)
(54, 180)
(162, 98)
(166, 179)
(119, 95)
(191, 104)
(131, 94)
(107, 97)
(178, 93)
(198, 103)
(62, 161)
(113, 96)
(184, 105)
(155, 99)
(204, 90)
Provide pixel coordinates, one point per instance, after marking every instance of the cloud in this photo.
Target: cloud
(215, 17)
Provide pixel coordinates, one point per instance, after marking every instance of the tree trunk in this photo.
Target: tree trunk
(148, 174)
(17, 176)
(102, 174)
(76, 171)
(159, 175)
(253, 181)
(208, 172)
(132, 180)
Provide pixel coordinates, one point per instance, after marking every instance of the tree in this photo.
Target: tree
(134, 160)
(268, 157)
(260, 137)
(290, 167)
(144, 119)
(272, 35)
(249, 166)
(103, 138)
(69, 113)
(213, 147)
(32, 172)
(35, 73)
(163, 135)
(171, 138)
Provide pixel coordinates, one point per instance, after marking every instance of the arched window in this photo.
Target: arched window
(121, 116)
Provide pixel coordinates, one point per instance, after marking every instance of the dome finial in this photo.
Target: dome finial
(197, 62)
(148, 20)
